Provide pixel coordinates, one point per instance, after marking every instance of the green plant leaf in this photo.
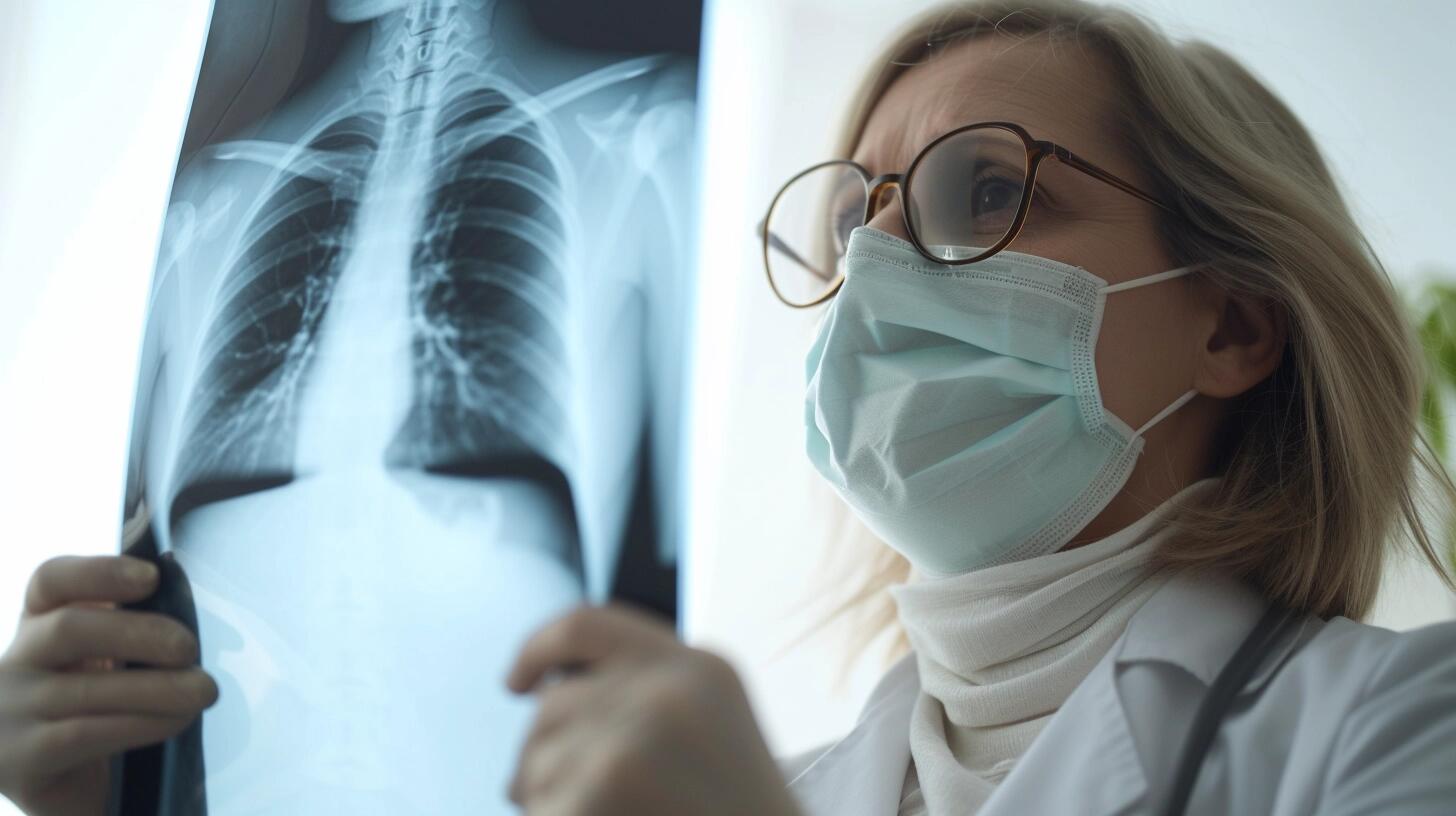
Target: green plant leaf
(1434, 420)
(1435, 315)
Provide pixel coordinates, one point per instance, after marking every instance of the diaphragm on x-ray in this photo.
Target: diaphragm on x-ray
(411, 382)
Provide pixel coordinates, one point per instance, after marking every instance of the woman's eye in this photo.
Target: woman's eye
(994, 195)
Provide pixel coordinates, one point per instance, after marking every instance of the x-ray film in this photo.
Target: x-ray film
(411, 382)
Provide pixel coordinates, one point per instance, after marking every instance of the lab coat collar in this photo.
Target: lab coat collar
(1221, 609)
(864, 771)
(1195, 621)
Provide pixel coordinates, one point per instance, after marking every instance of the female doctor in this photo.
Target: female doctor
(1107, 363)
(1108, 368)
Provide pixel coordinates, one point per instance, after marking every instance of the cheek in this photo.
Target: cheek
(1144, 350)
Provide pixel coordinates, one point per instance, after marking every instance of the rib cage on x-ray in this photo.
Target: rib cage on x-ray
(405, 362)
(486, 287)
(488, 293)
(243, 420)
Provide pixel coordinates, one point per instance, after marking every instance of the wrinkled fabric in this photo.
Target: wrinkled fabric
(1346, 719)
(956, 409)
(999, 650)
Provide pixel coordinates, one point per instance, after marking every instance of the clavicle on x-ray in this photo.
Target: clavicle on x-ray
(410, 382)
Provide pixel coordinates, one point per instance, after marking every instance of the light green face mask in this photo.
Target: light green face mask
(956, 409)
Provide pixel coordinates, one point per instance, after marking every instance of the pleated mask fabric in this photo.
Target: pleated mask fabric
(956, 408)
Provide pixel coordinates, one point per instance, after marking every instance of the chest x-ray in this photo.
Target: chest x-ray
(410, 382)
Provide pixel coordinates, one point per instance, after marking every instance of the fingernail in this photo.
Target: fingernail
(205, 687)
(139, 572)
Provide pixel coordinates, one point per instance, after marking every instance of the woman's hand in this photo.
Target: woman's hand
(64, 709)
(640, 725)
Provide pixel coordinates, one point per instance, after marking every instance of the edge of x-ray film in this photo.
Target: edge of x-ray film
(410, 383)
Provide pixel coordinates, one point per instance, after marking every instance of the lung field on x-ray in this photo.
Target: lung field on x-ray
(487, 292)
(243, 418)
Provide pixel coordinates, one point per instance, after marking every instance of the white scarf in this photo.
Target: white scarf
(1000, 649)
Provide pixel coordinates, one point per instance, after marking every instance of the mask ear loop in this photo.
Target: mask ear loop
(1144, 281)
(1161, 415)
(1156, 278)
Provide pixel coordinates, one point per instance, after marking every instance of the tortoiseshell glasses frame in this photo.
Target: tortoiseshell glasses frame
(1037, 151)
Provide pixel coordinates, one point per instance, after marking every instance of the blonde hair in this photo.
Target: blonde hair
(1322, 464)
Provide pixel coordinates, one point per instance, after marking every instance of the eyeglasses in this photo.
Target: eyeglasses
(964, 198)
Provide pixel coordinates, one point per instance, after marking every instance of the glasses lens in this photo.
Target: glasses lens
(963, 194)
(808, 230)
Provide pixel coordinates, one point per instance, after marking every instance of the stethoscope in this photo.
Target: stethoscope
(1259, 644)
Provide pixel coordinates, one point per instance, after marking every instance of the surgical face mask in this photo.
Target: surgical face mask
(956, 409)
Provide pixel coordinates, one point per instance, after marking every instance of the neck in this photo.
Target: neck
(999, 650)
(1177, 452)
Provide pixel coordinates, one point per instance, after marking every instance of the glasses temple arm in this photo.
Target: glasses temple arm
(1068, 157)
(777, 243)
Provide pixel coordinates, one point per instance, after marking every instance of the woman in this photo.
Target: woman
(1111, 368)
(1149, 241)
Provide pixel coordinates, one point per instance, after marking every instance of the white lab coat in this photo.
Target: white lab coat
(1358, 720)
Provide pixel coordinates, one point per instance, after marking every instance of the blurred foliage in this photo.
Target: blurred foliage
(1435, 314)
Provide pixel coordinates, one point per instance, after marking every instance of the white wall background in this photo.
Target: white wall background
(92, 100)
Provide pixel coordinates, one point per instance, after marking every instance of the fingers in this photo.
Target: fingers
(540, 771)
(559, 705)
(548, 750)
(585, 636)
(93, 663)
(151, 692)
(69, 578)
(71, 742)
(61, 637)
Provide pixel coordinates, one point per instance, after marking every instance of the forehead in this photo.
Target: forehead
(1056, 90)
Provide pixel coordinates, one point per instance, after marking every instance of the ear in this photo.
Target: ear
(1243, 344)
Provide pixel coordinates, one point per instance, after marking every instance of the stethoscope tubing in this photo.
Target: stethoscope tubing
(1259, 643)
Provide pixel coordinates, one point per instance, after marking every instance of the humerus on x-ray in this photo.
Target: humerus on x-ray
(411, 382)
